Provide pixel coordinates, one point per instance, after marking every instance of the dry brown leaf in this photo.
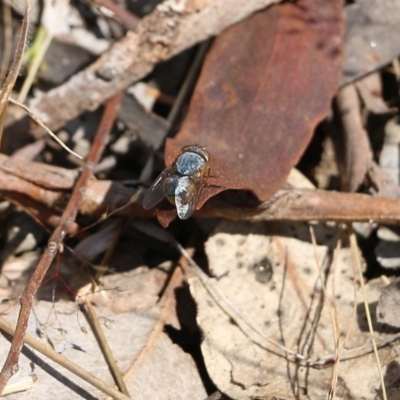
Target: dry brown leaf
(288, 309)
(166, 372)
(388, 309)
(248, 108)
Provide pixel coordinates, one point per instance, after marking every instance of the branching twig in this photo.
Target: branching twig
(16, 65)
(55, 241)
(27, 182)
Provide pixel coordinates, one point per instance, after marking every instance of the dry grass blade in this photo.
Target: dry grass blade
(332, 315)
(40, 123)
(91, 314)
(357, 261)
(105, 347)
(69, 365)
(187, 85)
(16, 65)
(42, 51)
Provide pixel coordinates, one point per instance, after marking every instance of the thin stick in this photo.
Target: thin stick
(16, 65)
(356, 258)
(105, 348)
(353, 316)
(321, 278)
(7, 44)
(97, 329)
(56, 239)
(40, 123)
(335, 373)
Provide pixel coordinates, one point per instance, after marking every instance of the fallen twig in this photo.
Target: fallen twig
(31, 184)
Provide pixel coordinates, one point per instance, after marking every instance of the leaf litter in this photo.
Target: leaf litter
(290, 309)
(278, 316)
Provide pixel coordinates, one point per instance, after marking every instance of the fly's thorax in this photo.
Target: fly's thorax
(200, 150)
(189, 163)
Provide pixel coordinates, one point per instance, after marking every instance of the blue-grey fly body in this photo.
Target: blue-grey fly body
(181, 182)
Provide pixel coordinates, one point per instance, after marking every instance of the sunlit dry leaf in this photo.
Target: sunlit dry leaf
(388, 309)
(372, 36)
(127, 291)
(166, 372)
(290, 309)
(265, 84)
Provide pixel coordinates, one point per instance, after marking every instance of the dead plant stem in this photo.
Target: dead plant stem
(357, 260)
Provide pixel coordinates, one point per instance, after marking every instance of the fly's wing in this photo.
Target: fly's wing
(156, 192)
(187, 193)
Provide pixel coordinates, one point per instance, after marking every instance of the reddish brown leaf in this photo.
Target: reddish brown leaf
(265, 84)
